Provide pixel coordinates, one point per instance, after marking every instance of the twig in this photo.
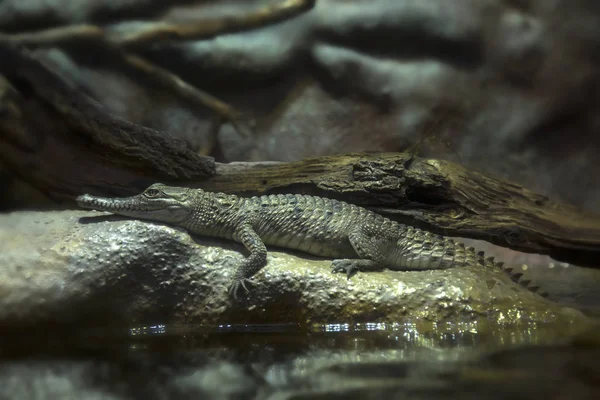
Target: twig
(208, 28)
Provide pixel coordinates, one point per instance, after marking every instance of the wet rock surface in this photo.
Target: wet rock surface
(76, 266)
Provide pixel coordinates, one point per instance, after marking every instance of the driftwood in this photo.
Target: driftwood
(65, 144)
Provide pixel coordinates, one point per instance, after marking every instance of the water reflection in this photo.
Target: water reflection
(421, 360)
(365, 336)
(148, 330)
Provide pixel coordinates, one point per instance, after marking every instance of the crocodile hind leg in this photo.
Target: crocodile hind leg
(367, 249)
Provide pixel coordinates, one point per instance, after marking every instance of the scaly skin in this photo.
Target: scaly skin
(357, 239)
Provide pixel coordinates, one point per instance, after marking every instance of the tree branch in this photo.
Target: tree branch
(44, 109)
(208, 28)
(91, 37)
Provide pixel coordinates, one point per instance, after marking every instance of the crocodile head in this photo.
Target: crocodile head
(157, 203)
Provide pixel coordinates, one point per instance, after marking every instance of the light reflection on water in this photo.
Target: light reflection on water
(363, 336)
(148, 330)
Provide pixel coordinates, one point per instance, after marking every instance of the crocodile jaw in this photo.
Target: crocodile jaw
(163, 209)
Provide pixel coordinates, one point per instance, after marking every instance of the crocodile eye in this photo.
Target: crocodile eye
(152, 193)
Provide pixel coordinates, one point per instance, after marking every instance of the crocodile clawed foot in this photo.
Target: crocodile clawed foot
(344, 265)
(238, 284)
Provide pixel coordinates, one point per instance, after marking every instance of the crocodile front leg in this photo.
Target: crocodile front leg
(257, 259)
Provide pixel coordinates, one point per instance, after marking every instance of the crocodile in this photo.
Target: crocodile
(356, 238)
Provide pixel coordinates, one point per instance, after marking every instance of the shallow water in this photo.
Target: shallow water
(289, 361)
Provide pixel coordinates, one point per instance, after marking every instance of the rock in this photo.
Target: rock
(94, 268)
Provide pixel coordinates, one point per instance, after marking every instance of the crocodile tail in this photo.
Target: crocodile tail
(418, 249)
(490, 262)
(515, 276)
